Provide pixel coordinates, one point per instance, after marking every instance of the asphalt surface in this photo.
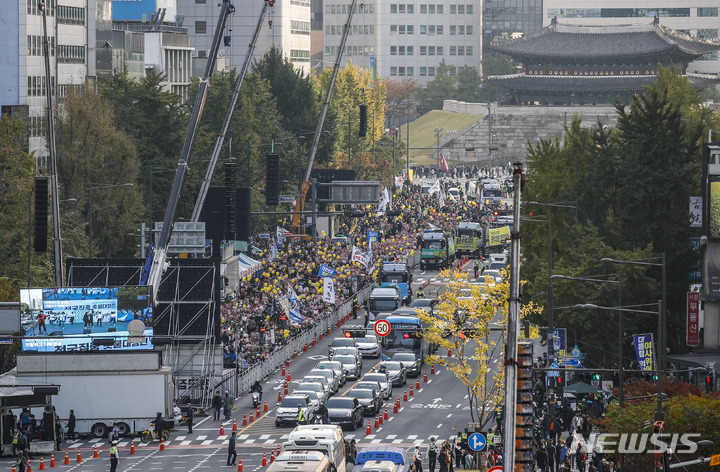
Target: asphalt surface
(438, 409)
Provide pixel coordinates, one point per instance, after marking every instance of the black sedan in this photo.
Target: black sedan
(395, 370)
(345, 411)
(369, 399)
(411, 362)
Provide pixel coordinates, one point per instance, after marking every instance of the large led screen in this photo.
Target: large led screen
(69, 319)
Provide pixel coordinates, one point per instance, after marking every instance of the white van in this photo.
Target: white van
(310, 461)
(324, 438)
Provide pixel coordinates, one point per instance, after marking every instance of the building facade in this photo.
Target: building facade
(511, 16)
(287, 26)
(698, 18)
(569, 64)
(406, 40)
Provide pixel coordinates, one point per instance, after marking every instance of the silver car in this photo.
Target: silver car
(351, 364)
(320, 379)
(330, 375)
(369, 346)
(315, 387)
(384, 381)
(335, 367)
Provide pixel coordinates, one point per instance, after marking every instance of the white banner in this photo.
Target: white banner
(359, 256)
(328, 295)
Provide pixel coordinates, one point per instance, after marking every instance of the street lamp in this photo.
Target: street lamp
(662, 318)
(631, 309)
(92, 187)
(597, 279)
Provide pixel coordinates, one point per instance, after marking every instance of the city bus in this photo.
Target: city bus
(406, 335)
(397, 273)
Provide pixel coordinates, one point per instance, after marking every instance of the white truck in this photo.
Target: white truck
(125, 388)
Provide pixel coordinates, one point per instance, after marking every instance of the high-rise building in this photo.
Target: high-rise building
(405, 40)
(287, 26)
(511, 17)
(699, 19)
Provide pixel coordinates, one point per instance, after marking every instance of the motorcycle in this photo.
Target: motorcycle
(255, 399)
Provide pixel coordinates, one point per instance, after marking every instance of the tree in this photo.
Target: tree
(92, 152)
(439, 89)
(400, 102)
(461, 324)
(469, 85)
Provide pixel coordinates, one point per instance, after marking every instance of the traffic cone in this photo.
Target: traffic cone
(405, 396)
(338, 323)
(289, 377)
(222, 429)
(132, 448)
(305, 348)
(417, 384)
(386, 414)
(377, 423)
(313, 342)
(395, 406)
(285, 388)
(240, 467)
(162, 444)
(245, 416)
(272, 455)
(283, 371)
(432, 369)
(265, 408)
(287, 362)
(425, 376)
(252, 418)
(449, 353)
(368, 430)
(42, 463)
(95, 453)
(294, 353)
(52, 460)
(79, 457)
(279, 396)
(29, 467)
(264, 462)
(328, 331)
(411, 390)
(257, 413)
(14, 469)
(234, 425)
(321, 336)
(67, 458)
(380, 418)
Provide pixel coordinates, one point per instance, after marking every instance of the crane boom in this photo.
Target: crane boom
(226, 124)
(321, 122)
(157, 259)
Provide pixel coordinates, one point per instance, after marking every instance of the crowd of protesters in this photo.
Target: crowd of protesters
(253, 321)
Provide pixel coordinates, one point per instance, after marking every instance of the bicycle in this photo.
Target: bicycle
(149, 434)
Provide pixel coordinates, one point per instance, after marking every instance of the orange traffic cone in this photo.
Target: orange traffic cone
(42, 463)
(411, 390)
(417, 384)
(95, 453)
(245, 416)
(285, 388)
(67, 458)
(449, 353)
(162, 444)
(14, 469)
(257, 413)
(368, 431)
(287, 362)
(386, 414)
(272, 455)
(279, 396)
(52, 460)
(380, 417)
(321, 336)
(132, 448)
(222, 430)
(240, 467)
(289, 377)
(79, 457)
(313, 342)
(265, 408)
(328, 331)
(405, 396)
(283, 371)
(338, 325)
(395, 406)
(264, 461)
(252, 418)
(432, 369)
(278, 451)
(29, 468)
(425, 376)
(377, 423)
(234, 425)
(294, 353)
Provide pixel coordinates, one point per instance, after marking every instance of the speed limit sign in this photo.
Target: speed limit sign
(382, 327)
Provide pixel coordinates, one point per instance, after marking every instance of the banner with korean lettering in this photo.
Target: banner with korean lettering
(645, 350)
(692, 334)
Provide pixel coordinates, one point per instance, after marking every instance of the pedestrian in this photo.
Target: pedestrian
(21, 464)
(114, 457)
(71, 425)
(216, 404)
(417, 459)
(227, 405)
(444, 458)
(58, 433)
(432, 454)
(459, 452)
(541, 458)
(550, 451)
(232, 453)
(189, 414)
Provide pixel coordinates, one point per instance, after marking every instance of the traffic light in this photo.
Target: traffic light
(596, 377)
(496, 213)
(654, 378)
(41, 214)
(524, 407)
(708, 383)
(362, 129)
(272, 179)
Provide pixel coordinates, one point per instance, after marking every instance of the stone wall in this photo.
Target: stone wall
(505, 132)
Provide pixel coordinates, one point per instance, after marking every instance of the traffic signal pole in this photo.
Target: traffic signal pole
(513, 330)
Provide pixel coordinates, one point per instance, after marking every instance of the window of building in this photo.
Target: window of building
(431, 29)
(439, 50)
(423, 9)
(401, 8)
(410, 71)
(327, 30)
(707, 11)
(199, 1)
(431, 9)
(431, 50)
(431, 71)
(200, 27)
(299, 27)
(439, 29)
(393, 29)
(453, 71)
(410, 29)
(344, 9)
(401, 50)
(299, 55)
(327, 9)
(439, 9)
(453, 30)
(393, 8)
(410, 50)
(327, 50)
(401, 29)
(423, 29)
(423, 71)
(366, 29)
(468, 50)
(423, 50)
(461, 50)
(411, 9)
(468, 9)
(707, 33)
(468, 29)
(393, 71)
(372, 29)
(461, 29)
(393, 50)
(452, 50)
(401, 71)
(453, 9)
(333, 9)
(461, 9)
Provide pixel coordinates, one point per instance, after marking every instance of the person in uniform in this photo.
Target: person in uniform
(432, 454)
(300, 415)
(114, 457)
(190, 415)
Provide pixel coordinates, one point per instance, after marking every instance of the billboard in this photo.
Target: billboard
(69, 318)
(132, 9)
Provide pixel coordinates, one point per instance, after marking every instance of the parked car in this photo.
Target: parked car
(395, 371)
(369, 399)
(351, 364)
(330, 375)
(384, 381)
(340, 342)
(345, 411)
(336, 367)
(411, 362)
(288, 408)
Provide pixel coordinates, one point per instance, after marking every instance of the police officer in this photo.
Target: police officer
(114, 456)
(476, 266)
(355, 307)
(432, 454)
(420, 293)
(417, 459)
(300, 415)
(190, 415)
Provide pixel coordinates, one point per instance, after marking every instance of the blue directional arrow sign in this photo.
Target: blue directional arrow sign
(477, 442)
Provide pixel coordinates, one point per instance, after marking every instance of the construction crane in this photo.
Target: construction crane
(226, 124)
(296, 225)
(157, 263)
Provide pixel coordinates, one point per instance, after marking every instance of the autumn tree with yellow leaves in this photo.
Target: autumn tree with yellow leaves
(463, 324)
